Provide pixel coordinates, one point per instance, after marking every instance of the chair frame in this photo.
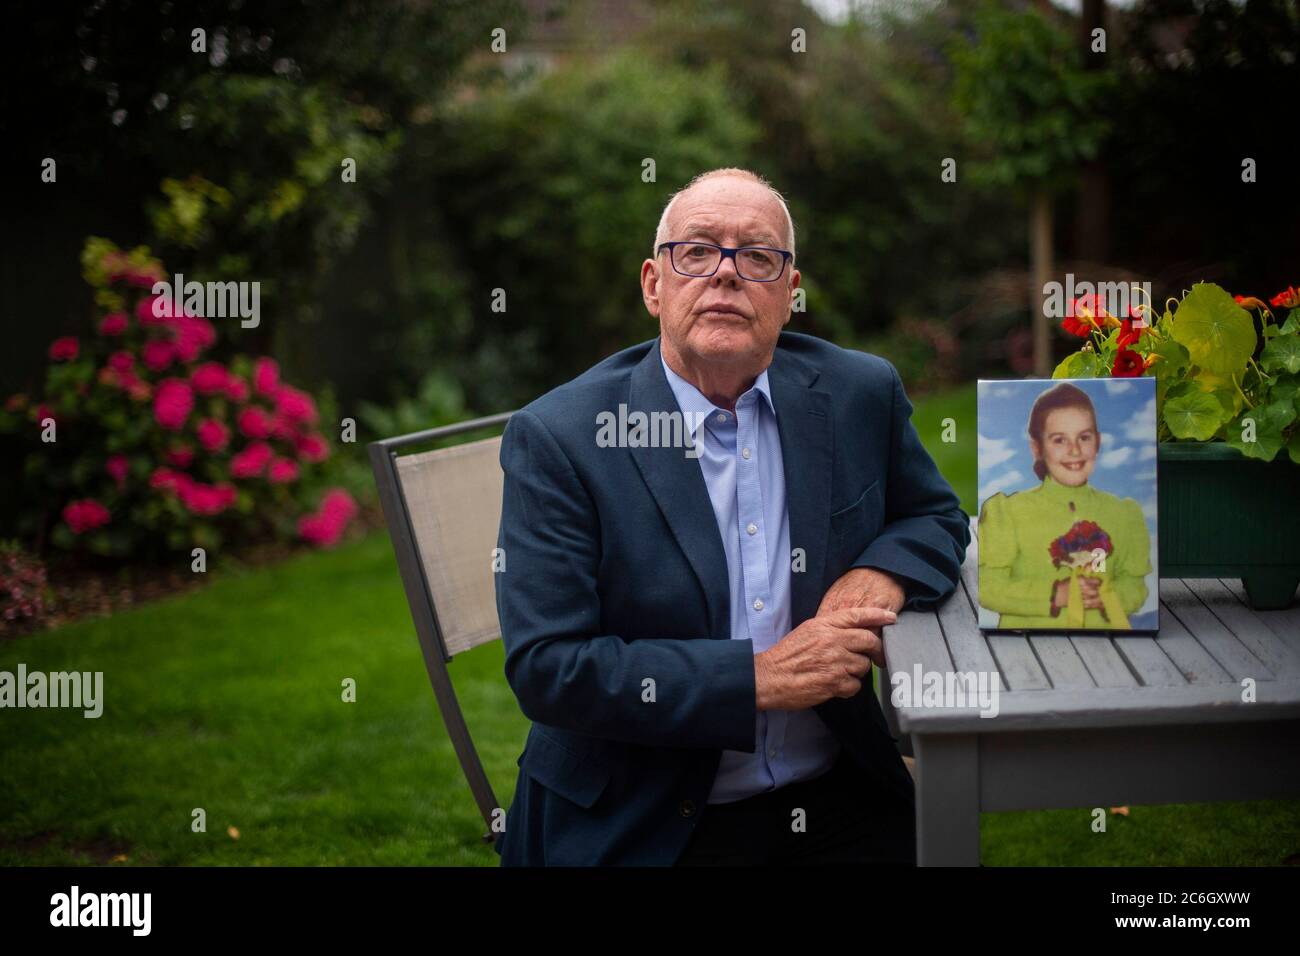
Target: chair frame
(383, 459)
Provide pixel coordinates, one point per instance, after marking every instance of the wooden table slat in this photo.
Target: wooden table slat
(961, 631)
(1211, 633)
(1103, 661)
(1015, 657)
(1197, 664)
(1060, 661)
(1153, 666)
(1285, 623)
(1245, 623)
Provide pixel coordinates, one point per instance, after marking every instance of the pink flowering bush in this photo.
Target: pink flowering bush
(159, 446)
(23, 587)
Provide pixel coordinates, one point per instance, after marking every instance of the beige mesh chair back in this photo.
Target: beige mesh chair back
(443, 509)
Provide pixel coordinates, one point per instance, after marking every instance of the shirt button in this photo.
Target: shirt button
(758, 605)
(753, 528)
(744, 453)
(722, 417)
(686, 808)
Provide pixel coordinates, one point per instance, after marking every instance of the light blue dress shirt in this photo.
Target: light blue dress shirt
(740, 455)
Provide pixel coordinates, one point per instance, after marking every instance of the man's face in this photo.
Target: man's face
(722, 319)
(1070, 444)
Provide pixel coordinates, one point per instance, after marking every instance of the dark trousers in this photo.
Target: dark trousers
(846, 819)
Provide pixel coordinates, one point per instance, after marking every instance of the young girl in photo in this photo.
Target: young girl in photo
(1063, 555)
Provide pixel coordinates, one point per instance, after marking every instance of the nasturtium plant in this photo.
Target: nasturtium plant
(1217, 377)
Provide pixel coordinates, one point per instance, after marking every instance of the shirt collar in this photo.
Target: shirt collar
(696, 406)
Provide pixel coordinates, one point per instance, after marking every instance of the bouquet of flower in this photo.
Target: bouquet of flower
(1083, 550)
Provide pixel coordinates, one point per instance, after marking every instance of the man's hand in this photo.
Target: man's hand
(864, 587)
(824, 657)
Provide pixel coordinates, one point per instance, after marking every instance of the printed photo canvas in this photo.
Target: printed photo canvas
(1067, 536)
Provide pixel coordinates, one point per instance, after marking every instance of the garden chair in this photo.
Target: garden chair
(443, 508)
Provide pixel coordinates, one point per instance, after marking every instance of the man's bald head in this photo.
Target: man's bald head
(666, 221)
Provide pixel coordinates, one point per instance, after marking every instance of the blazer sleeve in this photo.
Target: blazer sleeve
(925, 534)
(565, 671)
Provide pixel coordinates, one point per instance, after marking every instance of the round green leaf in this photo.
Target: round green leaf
(1195, 415)
(1283, 352)
(1268, 424)
(1080, 365)
(1218, 334)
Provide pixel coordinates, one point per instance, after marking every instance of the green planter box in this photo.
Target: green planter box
(1223, 515)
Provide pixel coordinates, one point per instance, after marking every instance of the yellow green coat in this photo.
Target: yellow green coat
(1016, 574)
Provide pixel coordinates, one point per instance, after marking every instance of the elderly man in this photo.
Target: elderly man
(691, 624)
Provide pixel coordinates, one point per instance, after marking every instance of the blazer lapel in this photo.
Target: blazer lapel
(677, 484)
(807, 448)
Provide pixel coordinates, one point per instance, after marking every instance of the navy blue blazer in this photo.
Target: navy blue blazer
(615, 574)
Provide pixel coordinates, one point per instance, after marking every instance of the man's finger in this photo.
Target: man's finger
(862, 617)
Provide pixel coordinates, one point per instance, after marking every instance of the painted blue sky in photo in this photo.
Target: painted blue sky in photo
(1126, 464)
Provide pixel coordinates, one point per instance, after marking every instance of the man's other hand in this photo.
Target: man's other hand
(864, 587)
(825, 656)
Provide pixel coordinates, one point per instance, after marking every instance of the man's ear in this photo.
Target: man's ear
(650, 286)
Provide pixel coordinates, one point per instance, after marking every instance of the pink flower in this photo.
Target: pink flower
(172, 403)
(193, 335)
(181, 456)
(117, 467)
(43, 412)
(85, 515)
(266, 376)
(210, 378)
(338, 503)
(326, 526)
(145, 310)
(158, 354)
(295, 405)
(201, 499)
(236, 389)
(250, 462)
(312, 447)
(64, 349)
(121, 361)
(139, 390)
(282, 427)
(282, 471)
(113, 324)
(254, 422)
(213, 435)
(168, 479)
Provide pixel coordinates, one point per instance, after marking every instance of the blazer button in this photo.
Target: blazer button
(686, 808)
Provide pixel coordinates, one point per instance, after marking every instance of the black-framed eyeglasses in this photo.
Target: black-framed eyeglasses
(699, 260)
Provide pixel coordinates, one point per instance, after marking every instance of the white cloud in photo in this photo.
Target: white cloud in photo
(1147, 452)
(994, 390)
(1117, 386)
(994, 451)
(1115, 457)
(1142, 426)
(1001, 483)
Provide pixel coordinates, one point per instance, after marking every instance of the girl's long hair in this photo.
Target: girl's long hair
(1063, 395)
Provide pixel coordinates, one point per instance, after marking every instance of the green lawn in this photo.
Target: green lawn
(229, 699)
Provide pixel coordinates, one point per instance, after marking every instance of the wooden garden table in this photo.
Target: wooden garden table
(1088, 720)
